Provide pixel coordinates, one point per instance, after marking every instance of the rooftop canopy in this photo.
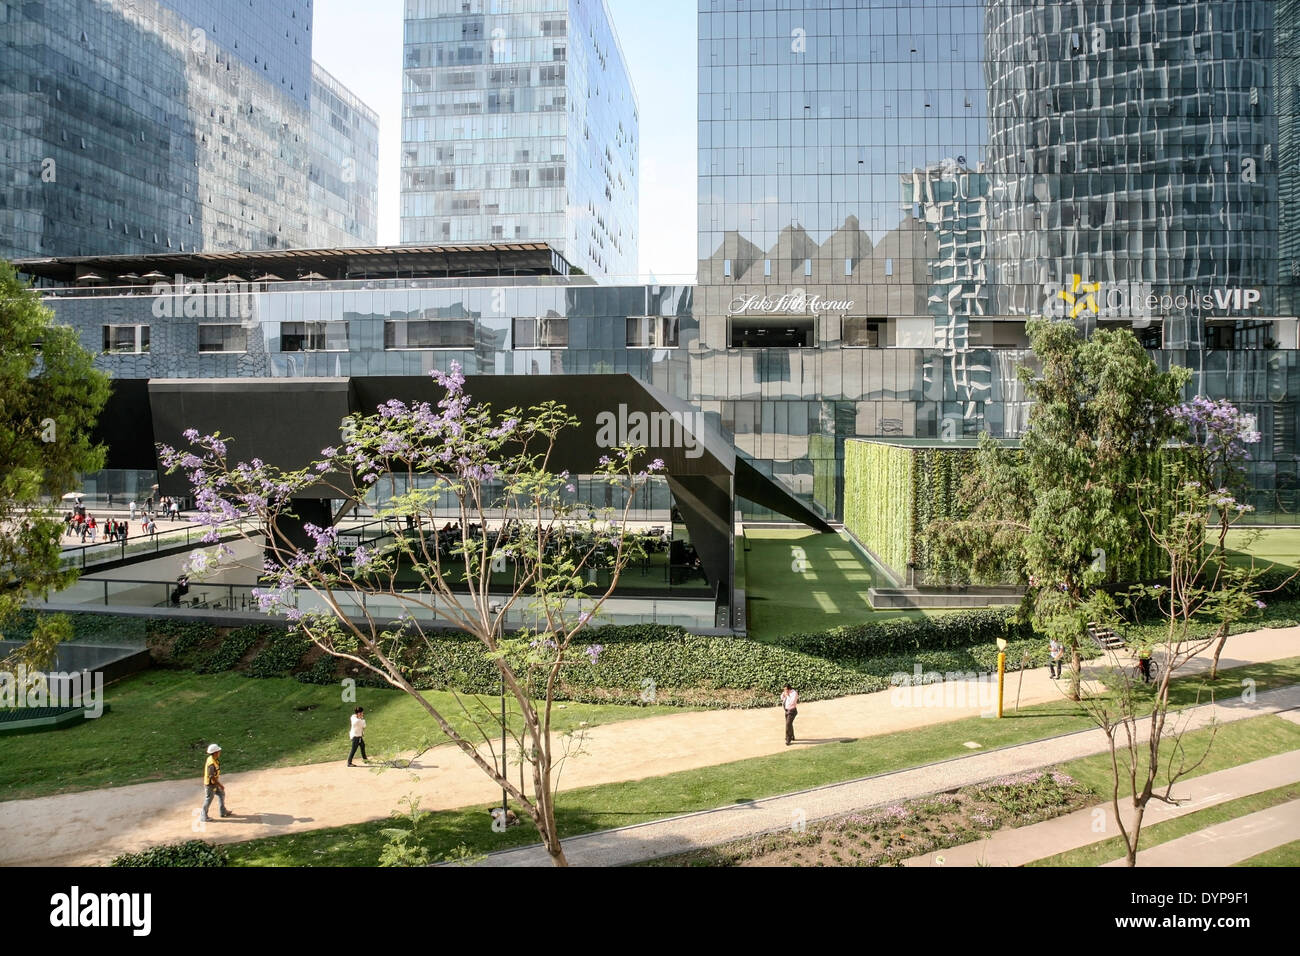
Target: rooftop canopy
(373, 262)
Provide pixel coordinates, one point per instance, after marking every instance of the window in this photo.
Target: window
(767, 267)
(313, 337)
(652, 331)
(726, 268)
(126, 339)
(807, 267)
(861, 333)
(428, 334)
(889, 266)
(223, 338)
(848, 267)
(545, 332)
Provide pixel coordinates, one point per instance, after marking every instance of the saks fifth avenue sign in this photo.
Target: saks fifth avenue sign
(796, 301)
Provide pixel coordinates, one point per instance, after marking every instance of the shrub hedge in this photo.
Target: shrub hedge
(189, 853)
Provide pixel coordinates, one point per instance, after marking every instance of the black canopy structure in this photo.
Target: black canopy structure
(368, 262)
(286, 422)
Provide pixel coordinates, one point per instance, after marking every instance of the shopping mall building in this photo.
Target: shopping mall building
(887, 191)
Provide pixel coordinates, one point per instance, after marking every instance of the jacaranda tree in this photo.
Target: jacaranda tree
(516, 543)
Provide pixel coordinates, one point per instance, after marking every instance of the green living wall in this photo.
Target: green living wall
(893, 491)
(878, 501)
(821, 450)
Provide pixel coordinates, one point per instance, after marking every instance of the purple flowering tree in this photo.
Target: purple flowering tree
(1216, 439)
(1198, 601)
(513, 542)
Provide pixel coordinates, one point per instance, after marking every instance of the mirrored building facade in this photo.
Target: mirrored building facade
(132, 126)
(519, 123)
(887, 190)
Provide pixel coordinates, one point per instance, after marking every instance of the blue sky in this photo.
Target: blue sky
(361, 44)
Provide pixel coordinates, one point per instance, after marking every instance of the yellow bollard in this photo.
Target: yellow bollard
(1002, 671)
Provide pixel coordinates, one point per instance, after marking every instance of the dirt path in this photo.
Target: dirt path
(94, 826)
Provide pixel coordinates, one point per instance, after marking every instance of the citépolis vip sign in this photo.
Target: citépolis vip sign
(794, 302)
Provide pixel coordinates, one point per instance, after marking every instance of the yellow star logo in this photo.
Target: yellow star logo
(1080, 296)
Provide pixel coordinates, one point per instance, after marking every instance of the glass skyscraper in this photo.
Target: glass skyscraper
(131, 126)
(889, 189)
(519, 123)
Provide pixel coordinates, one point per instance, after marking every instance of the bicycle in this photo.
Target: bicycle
(1153, 671)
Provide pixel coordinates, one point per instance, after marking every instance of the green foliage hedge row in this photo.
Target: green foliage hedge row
(189, 853)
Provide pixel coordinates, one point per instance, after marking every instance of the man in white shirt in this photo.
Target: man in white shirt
(358, 736)
(790, 701)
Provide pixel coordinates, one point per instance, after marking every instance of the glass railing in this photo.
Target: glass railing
(426, 608)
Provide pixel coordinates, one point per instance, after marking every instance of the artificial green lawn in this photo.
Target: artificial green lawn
(1279, 546)
(622, 804)
(161, 721)
(832, 591)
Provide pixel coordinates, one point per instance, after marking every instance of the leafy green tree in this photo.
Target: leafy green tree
(1061, 514)
(51, 395)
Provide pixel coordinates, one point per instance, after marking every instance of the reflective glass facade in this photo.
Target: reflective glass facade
(888, 189)
(343, 181)
(146, 126)
(519, 122)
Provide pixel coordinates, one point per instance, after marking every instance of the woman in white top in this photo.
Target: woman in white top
(358, 736)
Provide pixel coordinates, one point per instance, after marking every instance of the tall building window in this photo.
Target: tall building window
(848, 267)
(807, 267)
(223, 338)
(541, 332)
(313, 337)
(126, 339)
(889, 266)
(862, 333)
(652, 331)
(428, 334)
(726, 268)
(767, 267)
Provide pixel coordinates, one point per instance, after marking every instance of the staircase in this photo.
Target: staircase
(1104, 637)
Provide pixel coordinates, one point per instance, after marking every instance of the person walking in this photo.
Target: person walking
(357, 734)
(790, 701)
(132, 509)
(1056, 652)
(212, 785)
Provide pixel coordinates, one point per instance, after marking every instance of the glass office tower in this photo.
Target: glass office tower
(131, 126)
(342, 184)
(519, 123)
(888, 190)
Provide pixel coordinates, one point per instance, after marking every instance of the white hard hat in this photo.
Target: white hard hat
(214, 749)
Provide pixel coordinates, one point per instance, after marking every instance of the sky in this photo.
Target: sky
(361, 44)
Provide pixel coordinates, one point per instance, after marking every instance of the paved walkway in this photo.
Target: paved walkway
(1081, 828)
(695, 831)
(1229, 842)
(91, 827)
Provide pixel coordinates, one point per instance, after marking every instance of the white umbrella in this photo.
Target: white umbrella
(72, 496)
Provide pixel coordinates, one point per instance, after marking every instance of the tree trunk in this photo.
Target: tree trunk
(546, 809)
(1076, 671)
(1131, 853)
(1220, 640)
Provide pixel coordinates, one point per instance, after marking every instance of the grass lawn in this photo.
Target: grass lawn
(1269, 546)
(833, 589)
(1288, 854)
(622, 804)
(161, 721)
